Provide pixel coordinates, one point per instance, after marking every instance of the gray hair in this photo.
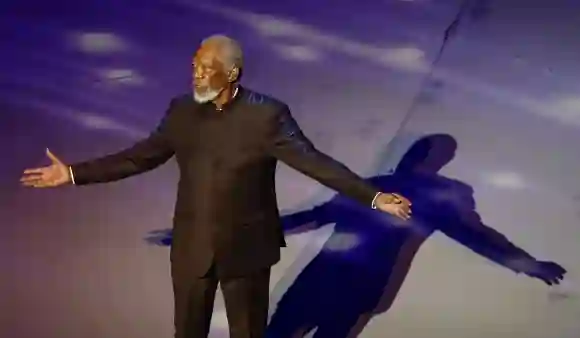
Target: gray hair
(231, 51)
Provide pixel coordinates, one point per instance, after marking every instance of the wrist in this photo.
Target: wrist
(374, 201)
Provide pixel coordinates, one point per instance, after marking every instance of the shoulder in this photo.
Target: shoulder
(179, 99)
(267, 102)
(178, 102)
(459, 187)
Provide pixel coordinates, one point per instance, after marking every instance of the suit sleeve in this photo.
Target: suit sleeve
(291, 146)
(143, 156)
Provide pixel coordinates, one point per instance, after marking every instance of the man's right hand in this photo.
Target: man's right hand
(54, 175)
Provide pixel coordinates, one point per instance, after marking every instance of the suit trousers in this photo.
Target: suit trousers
(246, 300)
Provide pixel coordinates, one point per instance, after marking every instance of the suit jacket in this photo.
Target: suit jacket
(226, 211)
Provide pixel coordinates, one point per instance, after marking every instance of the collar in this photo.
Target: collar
(232, 100)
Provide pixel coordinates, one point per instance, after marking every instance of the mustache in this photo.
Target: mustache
(199, 84)
(200, 87)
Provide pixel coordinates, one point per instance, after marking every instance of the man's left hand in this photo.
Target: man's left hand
(394, 204)
(548, 272)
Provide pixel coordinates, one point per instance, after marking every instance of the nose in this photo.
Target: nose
(197, 72)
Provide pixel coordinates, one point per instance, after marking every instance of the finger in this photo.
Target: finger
(35, 184)
(28, 183)
(52, 157)
(44, 184)
(34, 171)
(403, 214)
(31, 178)
(402, 198)
(408, 211)
(397, 198)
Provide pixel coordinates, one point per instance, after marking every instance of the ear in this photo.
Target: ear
(233, 74)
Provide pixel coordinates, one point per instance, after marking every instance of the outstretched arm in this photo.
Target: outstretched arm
(141, 157)
(310, 219)
(291, 146)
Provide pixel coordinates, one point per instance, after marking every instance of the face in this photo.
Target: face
(209, 74)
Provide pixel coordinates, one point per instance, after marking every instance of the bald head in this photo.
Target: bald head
(226, 49)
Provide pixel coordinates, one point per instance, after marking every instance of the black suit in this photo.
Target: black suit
(226, 223)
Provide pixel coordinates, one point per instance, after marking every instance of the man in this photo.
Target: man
(226, 140)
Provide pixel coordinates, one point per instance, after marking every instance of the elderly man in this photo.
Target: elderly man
(227, 140)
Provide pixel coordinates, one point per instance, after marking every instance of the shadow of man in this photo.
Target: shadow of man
(361, 267)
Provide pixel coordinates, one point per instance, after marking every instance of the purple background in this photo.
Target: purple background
(88, 78)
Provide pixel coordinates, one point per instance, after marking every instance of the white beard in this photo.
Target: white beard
(207, 96)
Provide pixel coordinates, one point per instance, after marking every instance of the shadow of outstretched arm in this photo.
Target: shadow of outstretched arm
(307, 220)
(469, 230)
(160, 237)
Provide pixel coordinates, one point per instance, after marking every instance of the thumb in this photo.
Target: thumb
(53, 157)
